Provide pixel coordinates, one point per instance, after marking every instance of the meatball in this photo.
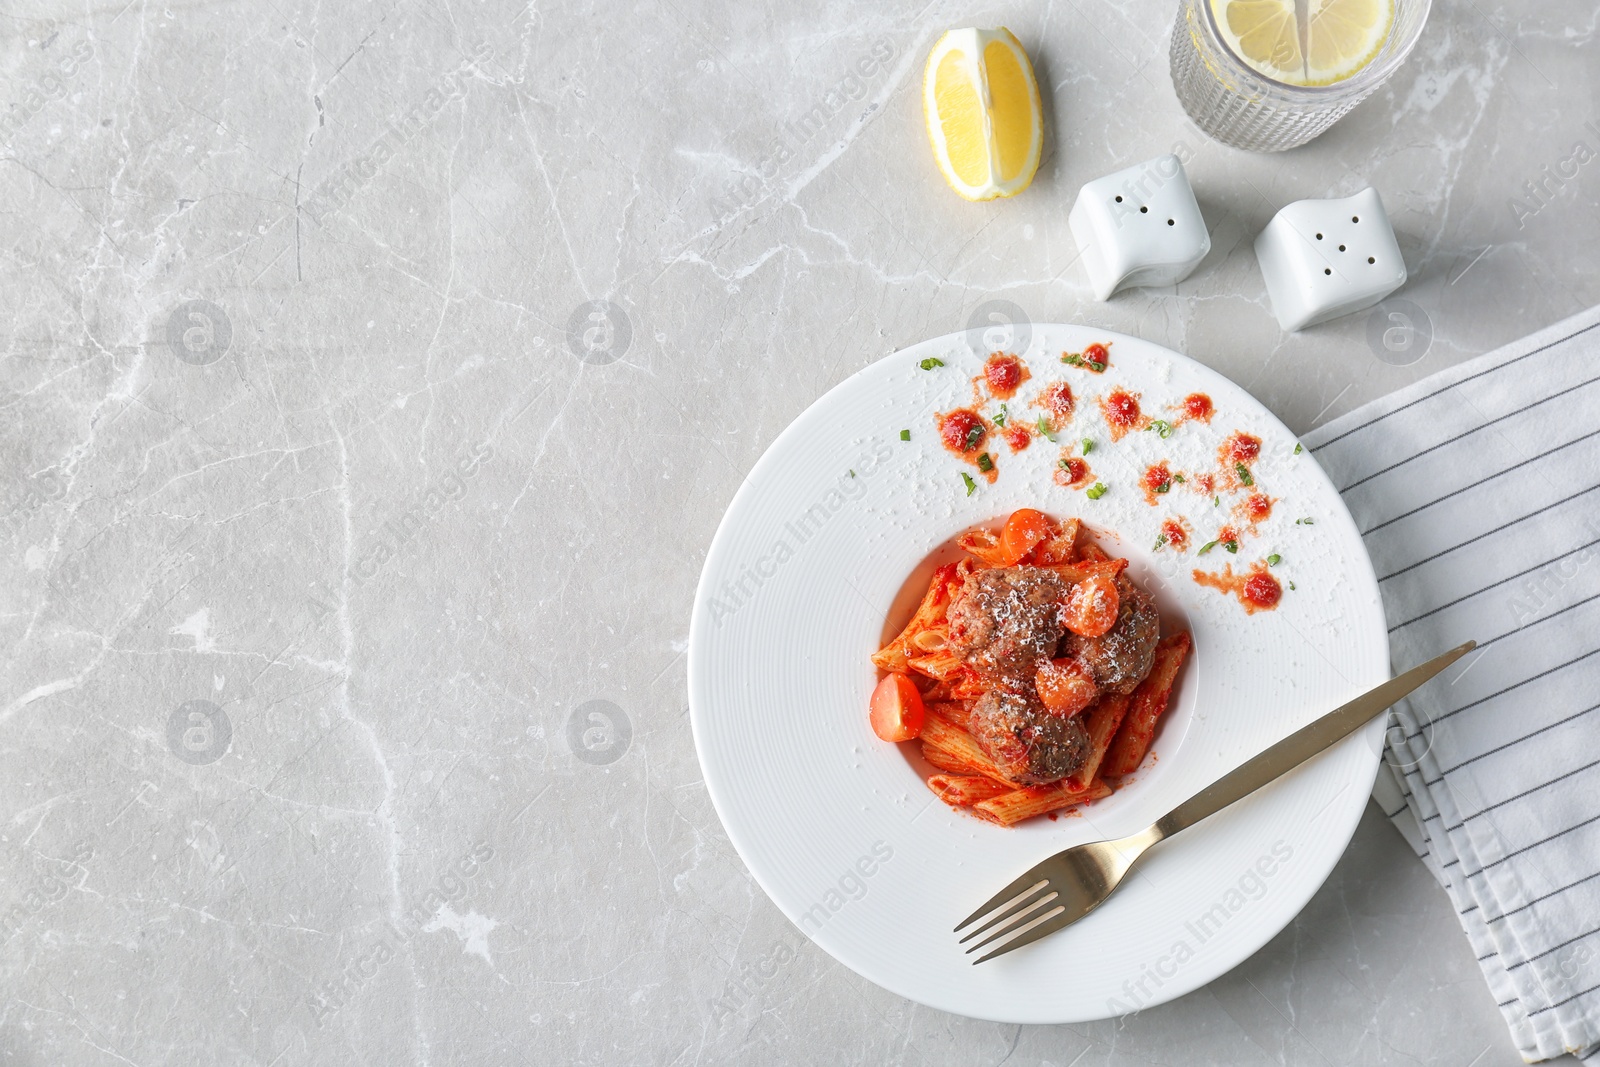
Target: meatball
(1031, 745)
(1124, 654)
(1004, 621)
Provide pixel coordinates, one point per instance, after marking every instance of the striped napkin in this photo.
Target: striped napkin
(1478, 493)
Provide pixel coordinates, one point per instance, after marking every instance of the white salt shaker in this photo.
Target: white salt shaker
(1326, 258)
(1139, 226)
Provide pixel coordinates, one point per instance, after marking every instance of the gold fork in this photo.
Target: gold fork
(1069, 885)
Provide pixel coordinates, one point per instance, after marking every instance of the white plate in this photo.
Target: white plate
(838, 827)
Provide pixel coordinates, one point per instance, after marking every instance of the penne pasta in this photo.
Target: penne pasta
(1138, 727)
(965, 790)
(985, 545)
(1101, 722)
(960, 688)
(956, 749)
(1092, 552)
(1008, 809)
(1073, 573)
(944, 665)
(930, 613)
(1062, 548)
(965, 686)
(952, 716)
(954, 712)
(946, 759)
(963, 760)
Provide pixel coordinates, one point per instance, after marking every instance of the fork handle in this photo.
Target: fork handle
(1320, 734)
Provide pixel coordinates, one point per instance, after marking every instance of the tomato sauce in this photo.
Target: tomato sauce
(1095, 358)
(1157, 479)
(1198, 406)
(964, 433)
(1122, 414)
(1003, 373)
(1257, 507)
(1176, 534)
(1236, 455)
(1018, 437)
(1256, 590)
(1059, 401)
(1240, 448)
(1073, 472)
(1261, 590)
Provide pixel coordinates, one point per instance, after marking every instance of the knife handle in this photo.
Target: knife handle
(1320, 734)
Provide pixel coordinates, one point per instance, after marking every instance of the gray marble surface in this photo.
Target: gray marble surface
(374, 379)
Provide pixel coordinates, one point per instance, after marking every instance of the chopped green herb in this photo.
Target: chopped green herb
(852, 473)
(1160, 541)
(1162, 428)
(905, 435)
(1179, 478)
(930, 363)
(971, 485)
(1096, 491)
(1291, 585)
(1207, 547)
(1074, 359)
(1088, 446)
(1044, 430)
(974, 435)
(1216, 501)
(1231, 546)
(1274, 559)
(985, 464)
(1304, 522)
(1297, 448)
(1000, 419)
(1164, 487)
(1244, 474)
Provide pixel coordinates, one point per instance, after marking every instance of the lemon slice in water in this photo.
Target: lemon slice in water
(1338, 38)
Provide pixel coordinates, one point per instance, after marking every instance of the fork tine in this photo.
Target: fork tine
(1042, 926)
(1025, 903)
(1020, 920)
(1028, 881)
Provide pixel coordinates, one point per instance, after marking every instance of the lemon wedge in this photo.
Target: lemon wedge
(1338, 39)
(1343, 36)
(1263, 33)
(982, 107)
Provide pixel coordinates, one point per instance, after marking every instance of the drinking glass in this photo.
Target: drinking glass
(1239, 106)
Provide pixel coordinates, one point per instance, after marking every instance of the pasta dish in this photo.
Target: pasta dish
(1033, 672)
